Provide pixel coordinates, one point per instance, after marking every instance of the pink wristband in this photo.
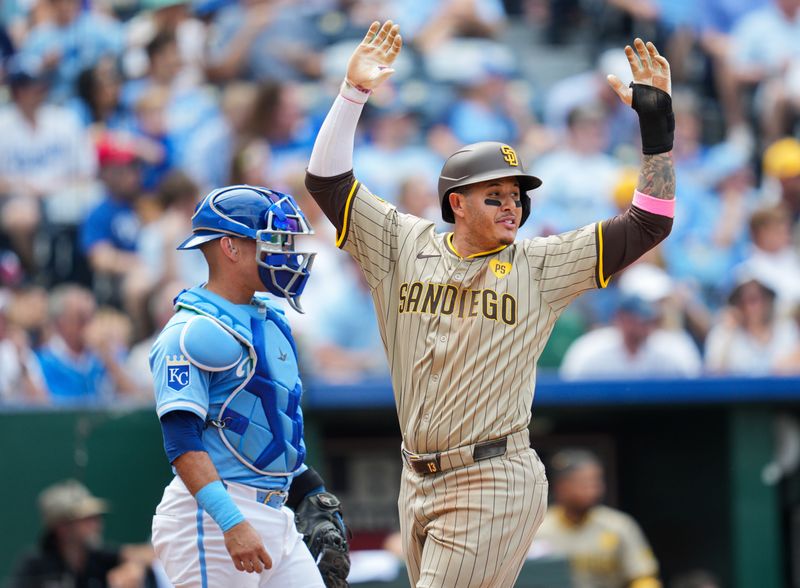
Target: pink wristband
(654, 205)
(353, 93)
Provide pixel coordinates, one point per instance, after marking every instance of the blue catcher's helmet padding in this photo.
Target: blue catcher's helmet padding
(273, 220)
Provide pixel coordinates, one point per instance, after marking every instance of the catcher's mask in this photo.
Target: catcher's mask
(273, 219)
(478, 162)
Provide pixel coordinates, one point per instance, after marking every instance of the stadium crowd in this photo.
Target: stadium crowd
(118, 115)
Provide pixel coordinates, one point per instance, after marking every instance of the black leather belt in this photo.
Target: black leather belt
(431, 463)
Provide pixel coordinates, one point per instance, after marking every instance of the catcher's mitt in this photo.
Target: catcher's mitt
(319, 519)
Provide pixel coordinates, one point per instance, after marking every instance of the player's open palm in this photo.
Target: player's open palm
(370, 64)
(246, 549)
(648, 67)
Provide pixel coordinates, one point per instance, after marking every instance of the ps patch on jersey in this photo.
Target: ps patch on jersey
(178, 372)
(500, 269)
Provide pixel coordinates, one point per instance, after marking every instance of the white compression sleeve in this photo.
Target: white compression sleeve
(333, 150)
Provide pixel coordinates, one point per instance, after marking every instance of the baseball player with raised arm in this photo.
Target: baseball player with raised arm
(464, 315)
(228, 398)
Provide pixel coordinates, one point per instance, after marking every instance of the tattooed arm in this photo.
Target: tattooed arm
(657, 176)
(625, 238)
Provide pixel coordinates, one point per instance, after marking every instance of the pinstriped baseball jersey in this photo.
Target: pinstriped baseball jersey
(462, 334)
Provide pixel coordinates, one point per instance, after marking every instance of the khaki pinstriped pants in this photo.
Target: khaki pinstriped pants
(471, 527)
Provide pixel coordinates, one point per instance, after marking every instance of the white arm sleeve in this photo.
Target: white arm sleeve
(333, 150)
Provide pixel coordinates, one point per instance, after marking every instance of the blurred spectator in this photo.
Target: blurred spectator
(788, 361)
(394, 152)
(262, 40)
(748, 338)
(568, 199)
(782, 165)
(80, 360)
(765, 52)
(71, 550)
(589, 88)
(14, 22)
(278, 121)
(251, 163)
(633, 347)
(72, 40)
(606, 547)
(347, 345)
(109, 234)
(21, 379)
(709, 236)
(689, 152)
(419, 198)
(485, 110)
(11, 273)
(773, 260)
(160, 310)
(177, 197)
(275, 140)
(7, 43)
(175, 17)
(672, 23)
(717, 20)
(99, 103)
(46, 159)
(209, 155)
(155, 146)
(430, 23)
(186, 109)
(680, 306)
(28, 310)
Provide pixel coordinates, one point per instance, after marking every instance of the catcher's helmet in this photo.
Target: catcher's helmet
(478, 162)
(273, 219)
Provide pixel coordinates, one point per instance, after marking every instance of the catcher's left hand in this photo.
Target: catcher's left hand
(319, 520)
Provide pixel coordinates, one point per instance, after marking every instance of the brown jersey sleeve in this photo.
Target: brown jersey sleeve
(331, 195)
(623, 239)
(367, 227)
(573, 262)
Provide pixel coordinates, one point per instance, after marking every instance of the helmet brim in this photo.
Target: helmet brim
(199, 238)
(526, 184)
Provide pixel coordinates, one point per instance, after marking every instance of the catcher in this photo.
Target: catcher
(228, 398)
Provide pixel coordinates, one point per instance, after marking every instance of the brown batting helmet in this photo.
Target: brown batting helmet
(478, 162)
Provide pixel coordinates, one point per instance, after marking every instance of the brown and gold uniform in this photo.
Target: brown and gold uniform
(606, 550)
(462, 336)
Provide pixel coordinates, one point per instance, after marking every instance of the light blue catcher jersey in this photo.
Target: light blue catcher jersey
(212, 360)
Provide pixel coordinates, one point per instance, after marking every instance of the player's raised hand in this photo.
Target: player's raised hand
(648, 67)
(370, 64)
(246, 549)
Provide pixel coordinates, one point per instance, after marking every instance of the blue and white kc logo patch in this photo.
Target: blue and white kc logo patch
(178, 373)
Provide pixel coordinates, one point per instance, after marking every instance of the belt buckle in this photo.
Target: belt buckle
(270, 495)
(430, 463)
(489, 449)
